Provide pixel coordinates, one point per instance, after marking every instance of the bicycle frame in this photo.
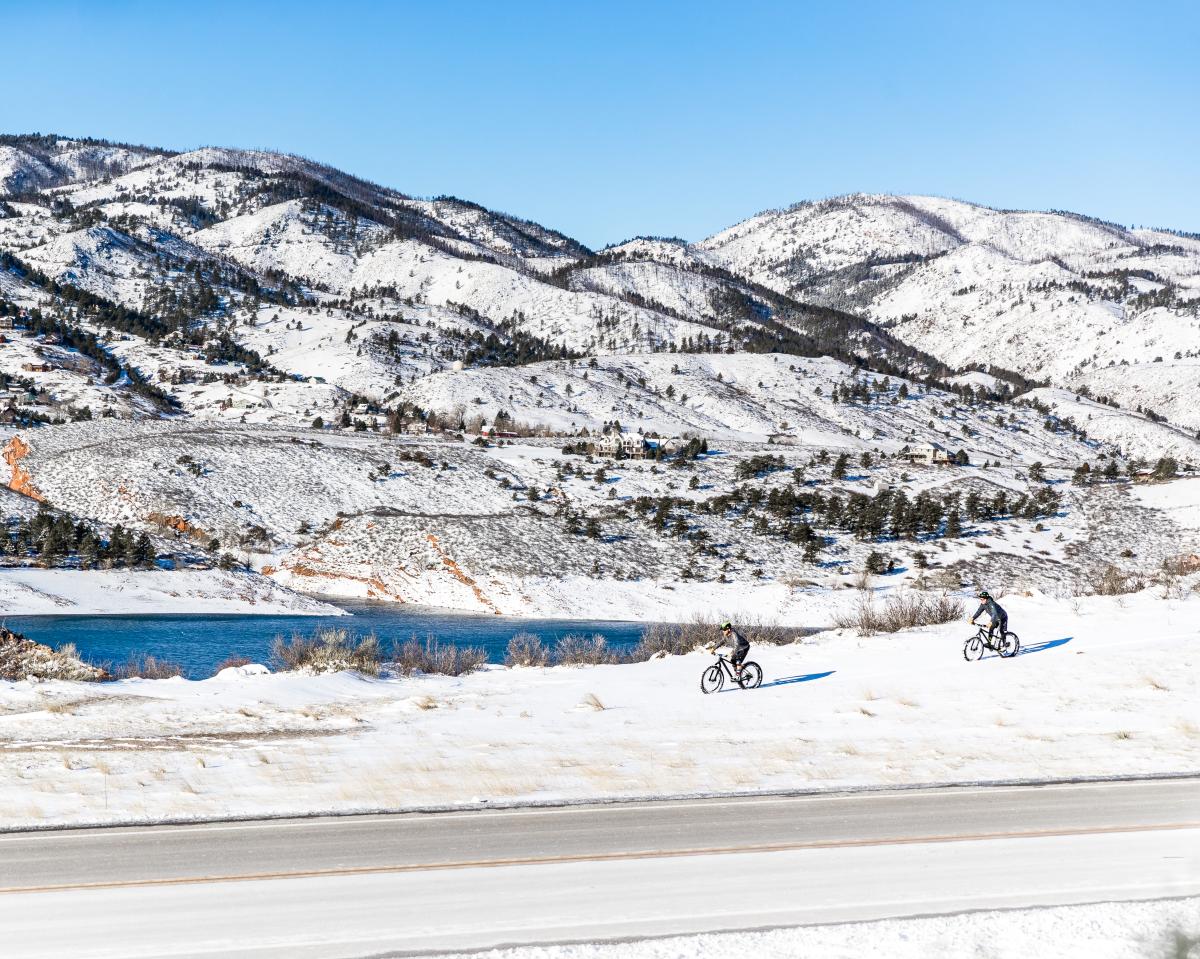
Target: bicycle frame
(727, 667)
(982, 636)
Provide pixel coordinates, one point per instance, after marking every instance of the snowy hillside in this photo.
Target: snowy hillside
(1053, 296)
(228, 347)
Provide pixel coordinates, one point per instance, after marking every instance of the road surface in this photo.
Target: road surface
(413, 884)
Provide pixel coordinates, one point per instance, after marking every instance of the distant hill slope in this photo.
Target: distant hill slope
(253, 286)
(1080, 302)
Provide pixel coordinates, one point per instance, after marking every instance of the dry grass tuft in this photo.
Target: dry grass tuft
(434, 657)
(1188, 728)
(1108, 580)
(231, 662)
(1123, 734)
(526, 649)
(1156, 684)
(145, 666)
(902, 611)
(327, 651)
(575, 650)
(592, 701)
(678, 639)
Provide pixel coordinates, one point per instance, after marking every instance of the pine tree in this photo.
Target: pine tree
(89, 550)
(839, 467)
(143, 552)
(953, 524)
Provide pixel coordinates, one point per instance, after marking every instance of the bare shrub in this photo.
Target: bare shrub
(945, 579)
(327, 651)
(145, 666)
(1108, 580)
(674, 639)
(901, 611)
(678, 639)
(592, 701)
(526, 649)
(231, 662)
(432, 656)
(576, 650)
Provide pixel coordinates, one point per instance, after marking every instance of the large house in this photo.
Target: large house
(629, 445)
(929, 454)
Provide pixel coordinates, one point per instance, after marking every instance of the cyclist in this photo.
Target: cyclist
(998, 616)
(737, 642)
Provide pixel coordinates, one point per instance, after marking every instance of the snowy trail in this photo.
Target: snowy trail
(399, 883)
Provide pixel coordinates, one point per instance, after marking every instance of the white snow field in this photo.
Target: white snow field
(1107, 930)
(31, 592)
(1103, 687)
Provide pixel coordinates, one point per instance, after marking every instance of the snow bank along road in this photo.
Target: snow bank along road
(359, 886)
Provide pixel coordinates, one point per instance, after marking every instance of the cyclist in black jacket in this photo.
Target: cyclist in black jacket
(737, 642)
(998, 616)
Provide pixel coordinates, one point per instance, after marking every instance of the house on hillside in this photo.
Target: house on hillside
(621, 445)
(414, 427)
(7, 322)
(928, 454)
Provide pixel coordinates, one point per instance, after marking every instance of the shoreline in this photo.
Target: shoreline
(116, 592)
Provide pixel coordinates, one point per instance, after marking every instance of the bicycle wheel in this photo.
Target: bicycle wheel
(712, 679)
(751, 677)
(973, 650)
(1009, 645)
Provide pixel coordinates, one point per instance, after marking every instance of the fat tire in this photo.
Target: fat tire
(973, 649)
(751, 677)
(1009, 645)
(712, 679)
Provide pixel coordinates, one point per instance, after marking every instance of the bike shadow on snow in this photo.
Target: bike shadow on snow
(1035, 648)
(789, 680)
(1039, 647)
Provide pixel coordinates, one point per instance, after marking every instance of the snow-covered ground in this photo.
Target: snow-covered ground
(1103, 687)
(1108, 930)
(32, 592)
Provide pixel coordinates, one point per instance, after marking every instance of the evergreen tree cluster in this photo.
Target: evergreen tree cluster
(55, 540)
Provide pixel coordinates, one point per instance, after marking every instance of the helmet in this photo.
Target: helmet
(984, 594)
(725, 626)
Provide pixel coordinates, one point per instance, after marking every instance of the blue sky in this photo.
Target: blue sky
(610, 119)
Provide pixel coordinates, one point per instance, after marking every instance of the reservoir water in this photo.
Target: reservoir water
(198, 642)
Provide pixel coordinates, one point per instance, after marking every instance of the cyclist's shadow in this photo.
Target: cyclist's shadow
(789, 680)
(1049, 644)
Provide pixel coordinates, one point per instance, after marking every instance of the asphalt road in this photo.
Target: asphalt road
(416, 883)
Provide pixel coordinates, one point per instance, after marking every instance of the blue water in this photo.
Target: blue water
(199, 642)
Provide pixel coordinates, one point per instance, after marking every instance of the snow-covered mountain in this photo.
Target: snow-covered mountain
(229, 301)
(1080, 303)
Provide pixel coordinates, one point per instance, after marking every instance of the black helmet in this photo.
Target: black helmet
(725, 626)
(984, 594)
